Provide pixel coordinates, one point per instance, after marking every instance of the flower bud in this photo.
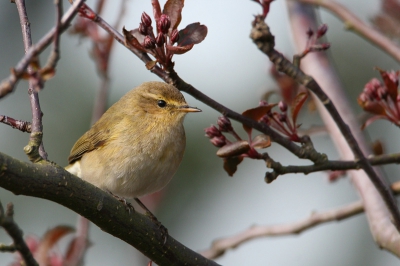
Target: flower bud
(212, 131)
(149, 42)
(322, 30)
(164, 23)
(218, 141)
(282, 117)
(282, 106)
(142, 29)
(310, 33)
(174, 36)
(224, 124)
(146, 20)
(160, 39)
(263, 103)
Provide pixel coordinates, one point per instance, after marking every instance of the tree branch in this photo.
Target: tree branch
(264, 40)
(51, 182)
(7, 222)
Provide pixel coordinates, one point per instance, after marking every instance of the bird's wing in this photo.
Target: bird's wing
(91, 140)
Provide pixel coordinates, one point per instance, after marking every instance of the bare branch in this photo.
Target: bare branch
(34, 149)
(220, 246)
(8, 84)
(23, 126)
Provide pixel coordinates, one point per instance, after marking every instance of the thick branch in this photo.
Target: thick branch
(51, 182)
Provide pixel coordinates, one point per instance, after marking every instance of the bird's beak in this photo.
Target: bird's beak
(188, 109)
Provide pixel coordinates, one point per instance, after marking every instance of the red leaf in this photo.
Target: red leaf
(193, 34)
(372, 107)
(233, 149)
(256, 114)
(297, 104)
(180, 49)
(156, 10)
(231, 163)
(50, 238)
(391, 85)
(131, 40)
(173, 8)
(371, 120)
(47, 73)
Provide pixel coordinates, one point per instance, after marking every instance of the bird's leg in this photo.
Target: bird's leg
(164, 230)
(128, 205)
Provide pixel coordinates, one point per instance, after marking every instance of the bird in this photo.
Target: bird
(137, 145)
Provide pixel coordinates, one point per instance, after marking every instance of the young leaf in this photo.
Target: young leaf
(179, 49)
(372, 107)
(193, 34)
(261, 142)
(173, 8)
(156, 10)
(48, 241)
(231, 163)
(391, 85)
(297, 104)
(130, 39)
(371, 120)
(256, 114)
(233, 149)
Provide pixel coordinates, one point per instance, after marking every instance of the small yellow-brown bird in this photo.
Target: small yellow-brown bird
(136, 147)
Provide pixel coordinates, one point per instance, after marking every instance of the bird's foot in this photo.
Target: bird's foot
(128, 206)
(163, 229)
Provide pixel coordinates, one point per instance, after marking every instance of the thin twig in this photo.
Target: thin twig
(355, 24)
(7, 222)
(220, 246)
(8, 84)
(35, 141)
(23, 126)
(55, 52)
(7, 248)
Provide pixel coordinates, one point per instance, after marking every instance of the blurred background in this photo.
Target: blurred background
(202, 203)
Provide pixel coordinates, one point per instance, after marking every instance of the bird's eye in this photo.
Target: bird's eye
(161, 103)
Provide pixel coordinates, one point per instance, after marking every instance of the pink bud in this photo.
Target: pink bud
(164, 23)
(322, 30)
(218, 141)
(282, 106)
(310, 33)
(146, 20)
(149, 42)
(160, 39)
(224, 124)
(212, 131)
(142, 29)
